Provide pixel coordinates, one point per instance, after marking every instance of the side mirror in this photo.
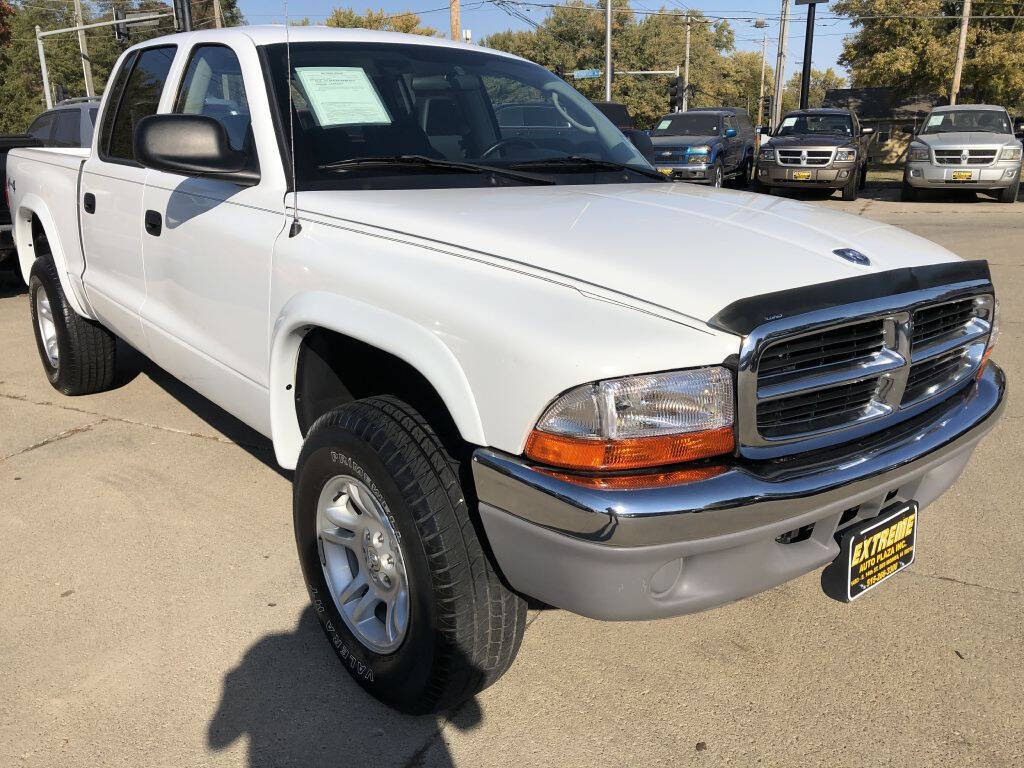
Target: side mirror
(764, 130)
(191, 145)
(1018, 127)
(908, 129)
(865, 131)
(730, 133)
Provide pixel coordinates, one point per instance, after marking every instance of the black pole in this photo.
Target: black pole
(184, 9)
(805, 77)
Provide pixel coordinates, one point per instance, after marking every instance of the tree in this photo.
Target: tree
(916, 55)
(821, 82)
(407, 22)
(571, 37)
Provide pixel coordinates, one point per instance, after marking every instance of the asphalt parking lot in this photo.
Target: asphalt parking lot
(154, 614)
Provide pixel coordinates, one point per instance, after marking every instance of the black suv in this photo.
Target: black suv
(816, 149)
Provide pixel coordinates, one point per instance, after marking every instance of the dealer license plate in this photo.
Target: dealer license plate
(801, 175)
(666, 171)
(963, 175)
(873, 551)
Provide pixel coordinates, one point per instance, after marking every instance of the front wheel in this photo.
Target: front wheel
(1009, 194)
(398, 578)
(909, 194)
(716, 174)
(852, 188)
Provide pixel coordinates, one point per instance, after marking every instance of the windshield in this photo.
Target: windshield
(803, 125)
(983, 120)
(687, 124)
(380, 101)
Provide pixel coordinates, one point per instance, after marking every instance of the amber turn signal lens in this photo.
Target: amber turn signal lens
(633, 453)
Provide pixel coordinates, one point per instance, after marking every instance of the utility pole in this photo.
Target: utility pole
(686, 68)
(805, 75)
(958, 70)
(83, 49)
(453, 16)
(608, 50)
(42, 67)
(760, 92)
(218, 17)
(780, 64)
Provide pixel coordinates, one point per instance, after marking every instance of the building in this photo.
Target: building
(888, 114)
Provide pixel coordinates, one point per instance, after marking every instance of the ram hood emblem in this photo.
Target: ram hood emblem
(852, 255)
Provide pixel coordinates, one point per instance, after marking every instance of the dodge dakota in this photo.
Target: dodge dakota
(492, 375)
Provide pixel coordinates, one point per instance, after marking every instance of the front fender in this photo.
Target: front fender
(373, 325)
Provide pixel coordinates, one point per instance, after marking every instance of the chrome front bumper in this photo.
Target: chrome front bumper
(926, 175)
(689, 172)
(638, 554)
(822, 177)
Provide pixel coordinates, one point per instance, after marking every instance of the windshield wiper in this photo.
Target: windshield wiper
(422, 162)
(588, 162)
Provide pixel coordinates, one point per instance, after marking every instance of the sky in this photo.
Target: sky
(483, 18)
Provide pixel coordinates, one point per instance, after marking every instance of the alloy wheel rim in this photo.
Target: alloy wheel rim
(361, 557)
(47, 328)
(718, 176)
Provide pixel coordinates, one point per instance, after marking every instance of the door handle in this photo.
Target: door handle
(154, 223)
(89, 202)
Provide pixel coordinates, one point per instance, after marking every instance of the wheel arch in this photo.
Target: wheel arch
(36, 234)
(307, 320)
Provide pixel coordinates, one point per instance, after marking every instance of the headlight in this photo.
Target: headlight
(1010, 153)
(768, 154)
(918, 154)
(638, 421)
(845, 155)
(702, 149)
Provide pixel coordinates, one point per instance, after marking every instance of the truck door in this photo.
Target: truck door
(732, 145)
(207, 248)
(110, 198)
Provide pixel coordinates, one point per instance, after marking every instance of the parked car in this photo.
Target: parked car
(8, 255)
(69, 124)
(816, 149)
(621, 119)
(707, 145)
(491, 371)
(964, 147)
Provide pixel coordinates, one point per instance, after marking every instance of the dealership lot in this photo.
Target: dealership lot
(154, 613)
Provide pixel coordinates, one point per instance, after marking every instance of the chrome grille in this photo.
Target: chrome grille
(843, 372)
(936, 374)
(805, 156)
(962, 156)
(815, 410)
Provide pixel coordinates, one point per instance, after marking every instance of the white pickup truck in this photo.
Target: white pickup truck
(500, 367)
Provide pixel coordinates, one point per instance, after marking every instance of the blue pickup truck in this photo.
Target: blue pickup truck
(708, 145)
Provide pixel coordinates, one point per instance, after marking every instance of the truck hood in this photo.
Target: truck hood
(966, 139)
(668, 142)
(811, 140)
(691, 249)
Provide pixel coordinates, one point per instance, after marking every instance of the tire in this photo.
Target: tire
(716, 175)
(864, 177)
(909, 194)
(462, 626)
(745, 177)
(1009, 194)
(78, 354)
(852, 188)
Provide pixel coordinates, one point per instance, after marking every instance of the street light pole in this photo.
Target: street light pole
(780, 64)
(760, 93)
(83, 50)
(805, 76)
(42, 67)
(608, 51)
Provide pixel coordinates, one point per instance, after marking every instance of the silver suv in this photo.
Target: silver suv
(964, 147)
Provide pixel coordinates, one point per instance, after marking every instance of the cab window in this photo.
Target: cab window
(40, 128)
(139, 99)
(213, 86)
(68, 130)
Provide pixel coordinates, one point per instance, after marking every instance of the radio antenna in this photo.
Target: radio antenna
(295, 227)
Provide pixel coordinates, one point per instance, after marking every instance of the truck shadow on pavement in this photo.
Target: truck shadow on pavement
(297, 706)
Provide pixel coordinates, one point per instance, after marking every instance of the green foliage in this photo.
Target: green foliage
(820, 83)
(21, 82)
(572, 37)
(407, 22)
(916, 56)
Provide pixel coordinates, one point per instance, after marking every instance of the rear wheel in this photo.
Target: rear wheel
(77, 353)
(392, 560)
(1009, 195)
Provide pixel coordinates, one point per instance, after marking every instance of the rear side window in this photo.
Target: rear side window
(139, 98)
(213, 87)
(68, 131)
(41, 126)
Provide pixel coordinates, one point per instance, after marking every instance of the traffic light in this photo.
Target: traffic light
(120, 30)
(676, 93)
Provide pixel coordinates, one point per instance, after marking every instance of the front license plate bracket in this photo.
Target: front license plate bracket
(872, 551)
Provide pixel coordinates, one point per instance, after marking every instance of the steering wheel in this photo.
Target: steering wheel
(510, 141)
